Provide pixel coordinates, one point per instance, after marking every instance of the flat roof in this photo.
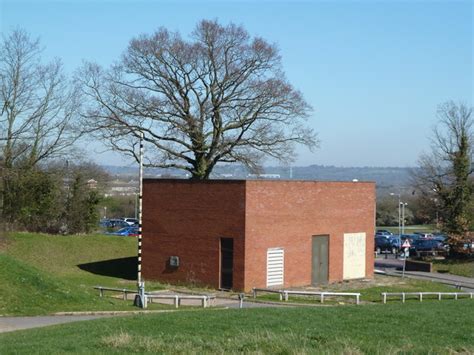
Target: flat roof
(258, 180)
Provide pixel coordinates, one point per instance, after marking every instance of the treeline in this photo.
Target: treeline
(39, 115)
(52, 199)
(420, 209)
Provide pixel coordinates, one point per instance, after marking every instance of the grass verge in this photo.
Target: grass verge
(455, 267)
(44, 274)
(411, 328)
(370, 291)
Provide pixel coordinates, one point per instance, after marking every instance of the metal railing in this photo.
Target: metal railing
(419, 295)
(123, 290)
(284, 294)
(206, 300)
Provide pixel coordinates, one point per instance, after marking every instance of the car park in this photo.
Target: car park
(126, 232)
(385, 244)
(130, 221)
(104, 223)
(395, 240)
(425, 247)
(410, 237)
(114, 223)
(385, 232)
(424, 235)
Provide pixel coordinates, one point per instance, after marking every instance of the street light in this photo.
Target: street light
(404, 204)
(435, 200)
(399, 211)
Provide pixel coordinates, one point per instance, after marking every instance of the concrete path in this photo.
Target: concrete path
(8, 324)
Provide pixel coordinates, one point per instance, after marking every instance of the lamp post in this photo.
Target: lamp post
(435, 200)
(399, 211)
(404, 204)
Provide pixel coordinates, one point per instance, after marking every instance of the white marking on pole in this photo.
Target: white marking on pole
(140, 211)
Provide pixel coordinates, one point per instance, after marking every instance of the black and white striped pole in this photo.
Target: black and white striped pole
(141, 301)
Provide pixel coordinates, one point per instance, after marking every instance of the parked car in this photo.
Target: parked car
(424, 235)
(116, 223)
(113, 223)
(440, 237)
(385, 244)
(411, 237)
(104, 222)
(426, 246)
(126, 232)
(396, 240)
(130, 221)
(383, 232)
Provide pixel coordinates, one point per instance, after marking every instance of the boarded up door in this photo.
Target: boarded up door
(275, 266)
(320, 251)
(354, 256)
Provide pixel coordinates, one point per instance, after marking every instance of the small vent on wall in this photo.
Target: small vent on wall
(174, 261)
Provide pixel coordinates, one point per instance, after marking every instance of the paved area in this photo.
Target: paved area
(8, 324)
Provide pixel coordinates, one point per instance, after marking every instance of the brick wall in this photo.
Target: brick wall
(288, 213)
(187, 219)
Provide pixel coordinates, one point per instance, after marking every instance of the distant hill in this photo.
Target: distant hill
(385, 177)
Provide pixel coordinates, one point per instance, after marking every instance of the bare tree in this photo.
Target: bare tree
(220, 96)
(37, 104)
(37, 109)
(446, 173)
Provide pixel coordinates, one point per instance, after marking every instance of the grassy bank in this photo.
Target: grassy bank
(85, 259)
(430, 327)
(455, 267)
(43, 274)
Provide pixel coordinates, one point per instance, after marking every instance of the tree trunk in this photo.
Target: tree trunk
(201, 168)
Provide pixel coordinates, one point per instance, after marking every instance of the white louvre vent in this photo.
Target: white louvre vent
(275, 266)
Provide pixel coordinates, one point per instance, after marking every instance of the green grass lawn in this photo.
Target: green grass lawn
(456, 267)
(86, 259)
(415, 328)
(369, 294)
(43, 274)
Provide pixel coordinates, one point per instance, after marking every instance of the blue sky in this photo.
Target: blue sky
(374, 71)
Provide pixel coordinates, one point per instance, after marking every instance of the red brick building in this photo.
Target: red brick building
(242, 234)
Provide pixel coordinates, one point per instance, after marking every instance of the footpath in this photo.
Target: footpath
(9, 324)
